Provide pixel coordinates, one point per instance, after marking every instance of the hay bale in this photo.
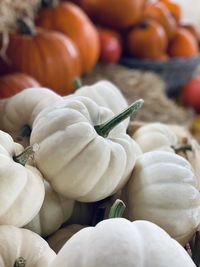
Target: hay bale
(143, 84)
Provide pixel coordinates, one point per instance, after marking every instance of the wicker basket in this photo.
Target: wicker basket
(175, 72)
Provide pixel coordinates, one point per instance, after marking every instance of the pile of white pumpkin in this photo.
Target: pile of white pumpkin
(56, 166)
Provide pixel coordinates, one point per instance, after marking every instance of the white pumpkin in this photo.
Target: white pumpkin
(163, 189)
(105, 94)
(119, 242)
(20, 110)
(54, 212)
(21, 187)
(22, 248)
(81, 160)
(59, 238)
(154, 136)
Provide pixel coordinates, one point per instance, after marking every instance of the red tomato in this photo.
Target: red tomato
(110, 46)
(191, 94)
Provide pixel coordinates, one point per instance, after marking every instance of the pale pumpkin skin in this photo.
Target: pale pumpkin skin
(22, 108)
(18, 242)
(59, 238)
(119, 242)
(79, 163)
(19, 185)
(54, 212)
(105, 94)
(155, 136)
(163, 189)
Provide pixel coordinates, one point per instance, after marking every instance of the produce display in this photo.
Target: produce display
(83, 183)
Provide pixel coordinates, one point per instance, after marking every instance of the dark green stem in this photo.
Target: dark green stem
(105, 128)
(195, 248)
(20, 262)
(23, 157)
(49, 3)
(182, 148)
(26, 27)
(117, 209)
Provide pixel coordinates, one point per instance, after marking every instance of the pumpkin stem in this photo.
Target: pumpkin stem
(20, 262)
(49, 3)
(182, 148)
(105, 128)
(26, 154)
(77, 83)
(26, 26)
(195, 246)
(117, 209)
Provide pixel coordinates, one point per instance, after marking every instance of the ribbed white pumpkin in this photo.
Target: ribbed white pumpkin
(54, 212)
(79, 163)
(119, 242)
(105, 94)
(19, 245)
(21, 187)
(163, 189)
(20, 110)
(154, 136)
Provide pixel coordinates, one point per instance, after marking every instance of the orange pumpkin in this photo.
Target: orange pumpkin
(147, 40)
(183, 44)
(69, 19)
(13, 83)
(174, 8)
(161, 14)
(116, 14)
(192, 29)
(50, 57)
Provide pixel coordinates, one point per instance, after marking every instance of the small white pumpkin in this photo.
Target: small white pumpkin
(59, 238)
(105, 94)
(21, 187)
(119, 242)
(54, 212)
(154, 136)
(20, 110)
(163, 189)
(22, 248)
(81, 159)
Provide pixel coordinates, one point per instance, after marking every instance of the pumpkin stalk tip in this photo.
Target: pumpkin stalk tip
(105, 128)
(182, 148)
(20, 262)
(77, 83)
(117, 209)
(23, 157)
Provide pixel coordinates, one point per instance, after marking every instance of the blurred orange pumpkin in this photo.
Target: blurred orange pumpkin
(115, 14)
(147, 40)
(70, 19)
(183, 44)
(13, 83)
(174, 8)
(49, 57)
(161, 14)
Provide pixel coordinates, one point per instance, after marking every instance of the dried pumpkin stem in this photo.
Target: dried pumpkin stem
(117, 209)
(105, 128)
(23, 157)
(20, 262)
(77, 83)
(182, 148)
(50, 3)
(26, 26)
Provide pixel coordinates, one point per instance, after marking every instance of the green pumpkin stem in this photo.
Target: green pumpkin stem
(20, 262)
(182, 148)
(26, 26)
(23, 157)
(77, 83)
(49, 3)
(117, 209)
(105, 128)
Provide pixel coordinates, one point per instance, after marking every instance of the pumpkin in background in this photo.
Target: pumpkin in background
(160, 13)
(147, 40)
(184, 44)
(117, 15)
(50, 57)
(14, 83)
(174, 8)
(192, 29)
(70, 19)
